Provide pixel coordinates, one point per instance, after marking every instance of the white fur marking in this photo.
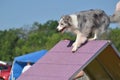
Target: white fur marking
(94, 38)
(59, 27)
(74, 20)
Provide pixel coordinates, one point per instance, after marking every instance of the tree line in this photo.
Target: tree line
(31, 38)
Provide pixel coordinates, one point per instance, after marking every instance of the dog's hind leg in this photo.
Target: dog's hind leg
(96, 35)
(94, 38)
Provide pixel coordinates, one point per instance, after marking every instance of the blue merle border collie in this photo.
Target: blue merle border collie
(85, 23)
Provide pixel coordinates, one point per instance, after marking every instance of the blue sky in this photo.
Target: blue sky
(17, 13)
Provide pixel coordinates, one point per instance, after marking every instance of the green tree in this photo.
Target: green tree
(114, 36)
(30, 38)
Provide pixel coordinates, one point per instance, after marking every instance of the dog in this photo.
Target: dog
(85, 23)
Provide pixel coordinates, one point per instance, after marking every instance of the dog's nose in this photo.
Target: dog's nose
(57, 30)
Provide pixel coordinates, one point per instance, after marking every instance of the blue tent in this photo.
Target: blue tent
(21, 61)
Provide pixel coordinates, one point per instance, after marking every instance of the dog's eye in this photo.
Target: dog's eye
(61, 23)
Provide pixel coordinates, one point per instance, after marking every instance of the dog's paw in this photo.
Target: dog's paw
(74, 49)
(91, 39)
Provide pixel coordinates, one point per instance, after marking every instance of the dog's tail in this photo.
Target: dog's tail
(115, 18)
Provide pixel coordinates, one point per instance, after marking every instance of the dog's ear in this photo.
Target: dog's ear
(67, 19)
(63, 16)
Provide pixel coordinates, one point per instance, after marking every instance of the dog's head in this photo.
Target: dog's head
(64, 23)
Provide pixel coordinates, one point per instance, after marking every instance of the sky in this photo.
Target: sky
(17, 13)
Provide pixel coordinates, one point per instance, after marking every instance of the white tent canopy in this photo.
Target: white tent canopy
(2, 62)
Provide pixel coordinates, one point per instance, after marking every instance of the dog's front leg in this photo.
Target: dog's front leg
(80, 39)
(75, 44)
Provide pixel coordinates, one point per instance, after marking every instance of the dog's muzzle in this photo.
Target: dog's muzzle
(61, 30)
